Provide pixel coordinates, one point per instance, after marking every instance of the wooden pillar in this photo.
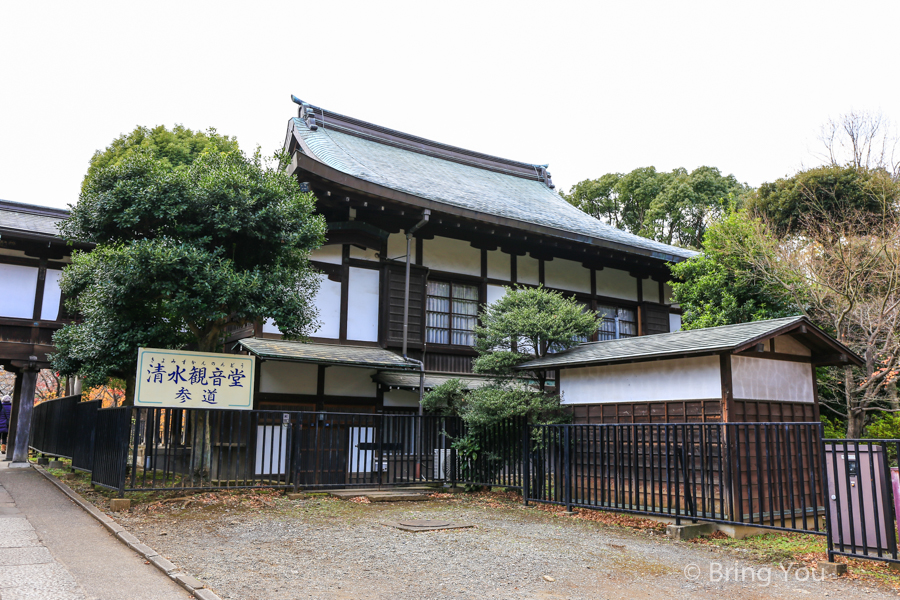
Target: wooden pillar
(345, 291)
(23, 419)
(727, 387)
(320, 387)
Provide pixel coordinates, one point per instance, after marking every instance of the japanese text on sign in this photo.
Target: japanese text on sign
(174, 378)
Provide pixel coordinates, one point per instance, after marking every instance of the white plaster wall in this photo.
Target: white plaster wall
(12, 252)
(52, 295)
(327, 254)
(328, 301)
(401, 398)
(650, 290)
(692, 378)
(453, 256)
(397, 247)
(287, 378)
(494, 293)
(667, 291)
(363, 253)
(499, 266)
(763, 379)
(350, 381)
(619, 284)
(567, 275)
(362, 305)
(17, 291)
(788, 345)
(674, 322)
(527, 270)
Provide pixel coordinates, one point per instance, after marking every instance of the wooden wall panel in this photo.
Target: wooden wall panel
(392, 305)
(656, 318)
(448, 363)
(691, 411)
(765, 411)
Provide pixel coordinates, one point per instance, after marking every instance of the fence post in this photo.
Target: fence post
(526, 456)
(567, 481)
(124, 429)
(829, 534)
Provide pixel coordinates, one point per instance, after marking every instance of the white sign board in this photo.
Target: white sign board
(179, 379)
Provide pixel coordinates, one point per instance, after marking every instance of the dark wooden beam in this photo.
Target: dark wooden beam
(727, 386)
(831, 359)
(345, 291)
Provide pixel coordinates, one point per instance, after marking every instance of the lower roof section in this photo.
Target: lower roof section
(739, 338)
(410, 381)
(326, 354)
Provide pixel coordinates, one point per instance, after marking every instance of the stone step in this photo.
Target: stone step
(397, 497)
(352, 493)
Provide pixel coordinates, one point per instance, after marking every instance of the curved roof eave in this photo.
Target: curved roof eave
(301, 161)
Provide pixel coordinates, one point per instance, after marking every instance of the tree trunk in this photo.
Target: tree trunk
(892, 396)
(856, 418)
(201, 455)
(855, 424)
(130, 386)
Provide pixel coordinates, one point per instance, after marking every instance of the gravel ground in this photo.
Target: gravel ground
(324, 548)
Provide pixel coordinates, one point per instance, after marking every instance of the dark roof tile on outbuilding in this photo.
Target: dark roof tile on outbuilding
(411, 380)
(30, 218)
(326, 354)
(709, 340)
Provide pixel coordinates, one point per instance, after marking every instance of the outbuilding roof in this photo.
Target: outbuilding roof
(455, 177)
(411, 380)
(710, 340)
(30, 219)
(326, 354)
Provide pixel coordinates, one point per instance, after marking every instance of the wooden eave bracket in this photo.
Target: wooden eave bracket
(831, 360)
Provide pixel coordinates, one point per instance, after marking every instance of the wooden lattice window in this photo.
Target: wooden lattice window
(451, 313)
(617, 322)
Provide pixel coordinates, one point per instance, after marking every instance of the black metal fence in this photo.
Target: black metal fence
(199, 448)
(51, 426)
(760, 474)
(490, 455)
(777, 475)
(84, 431)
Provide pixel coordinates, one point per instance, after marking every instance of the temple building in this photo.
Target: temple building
(480, 223)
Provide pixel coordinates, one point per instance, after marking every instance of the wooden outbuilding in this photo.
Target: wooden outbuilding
(763, 371)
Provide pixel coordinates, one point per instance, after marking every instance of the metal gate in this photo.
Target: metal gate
(862, 498)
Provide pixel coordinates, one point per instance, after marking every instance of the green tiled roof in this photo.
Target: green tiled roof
(406, 164)
(411, 380)
(326, 354)
(678, 343)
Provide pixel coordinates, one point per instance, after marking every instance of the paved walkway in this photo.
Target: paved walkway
(50, 549)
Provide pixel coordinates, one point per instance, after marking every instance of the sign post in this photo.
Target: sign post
(181, 379)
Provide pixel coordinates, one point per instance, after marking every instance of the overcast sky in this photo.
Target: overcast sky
(588, 87)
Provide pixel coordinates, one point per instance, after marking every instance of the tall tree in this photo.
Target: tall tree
(790, 202)
(844, 274)
(864, 140)
(181, 254)
(176, 148)
(720, 286)
(674, 208)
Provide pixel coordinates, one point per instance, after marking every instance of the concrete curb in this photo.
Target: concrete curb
(188, 582)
